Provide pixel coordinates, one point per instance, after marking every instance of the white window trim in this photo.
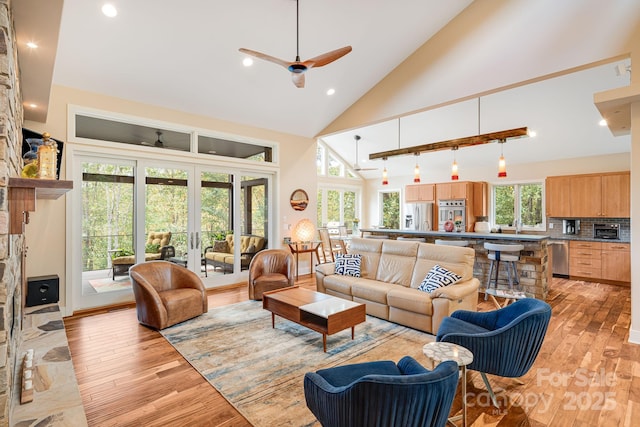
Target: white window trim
(492, 218)
(380, 204)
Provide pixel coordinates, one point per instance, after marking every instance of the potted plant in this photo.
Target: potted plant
(458, 225)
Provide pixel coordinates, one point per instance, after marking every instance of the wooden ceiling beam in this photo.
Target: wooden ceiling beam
(449, 144)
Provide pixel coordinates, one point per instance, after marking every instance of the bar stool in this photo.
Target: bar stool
(510, 255)
(412, 239)
(452, 242)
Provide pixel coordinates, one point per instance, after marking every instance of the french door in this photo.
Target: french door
(131, 211)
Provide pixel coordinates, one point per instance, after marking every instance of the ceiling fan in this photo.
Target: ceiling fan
(298, 67)
(356, 166)
(158, 142)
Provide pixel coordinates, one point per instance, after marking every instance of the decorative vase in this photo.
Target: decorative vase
(47, 158)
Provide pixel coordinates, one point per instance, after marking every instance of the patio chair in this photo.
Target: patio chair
(156, 248)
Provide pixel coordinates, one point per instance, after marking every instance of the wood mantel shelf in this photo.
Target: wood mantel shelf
(23, 193)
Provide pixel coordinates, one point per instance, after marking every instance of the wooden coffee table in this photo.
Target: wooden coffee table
(314, 310)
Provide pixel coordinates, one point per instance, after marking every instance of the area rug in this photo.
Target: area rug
(109, 285)
(260, 370)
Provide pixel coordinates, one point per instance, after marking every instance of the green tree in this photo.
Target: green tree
(391, 209)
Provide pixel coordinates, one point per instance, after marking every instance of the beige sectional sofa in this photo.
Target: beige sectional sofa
(391, 272)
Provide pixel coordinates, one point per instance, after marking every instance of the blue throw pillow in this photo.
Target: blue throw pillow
(348, 264)
(438, 277)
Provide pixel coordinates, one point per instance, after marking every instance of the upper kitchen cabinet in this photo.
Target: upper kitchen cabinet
(616, 195)
(420, 193)
(589, 196)
(558, 196)
(586, 196)
(454, 190)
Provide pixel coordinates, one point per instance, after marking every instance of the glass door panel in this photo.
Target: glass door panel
(254, 217)
(166, 215)
(216, 222)
(107, 226)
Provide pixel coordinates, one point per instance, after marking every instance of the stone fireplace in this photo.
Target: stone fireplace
(11, 246)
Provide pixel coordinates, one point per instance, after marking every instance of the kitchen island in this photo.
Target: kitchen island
(533, 268)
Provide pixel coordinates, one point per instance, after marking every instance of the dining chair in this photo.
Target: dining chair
(329, 245)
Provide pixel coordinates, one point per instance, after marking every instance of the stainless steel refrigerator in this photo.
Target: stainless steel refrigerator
(418, 216)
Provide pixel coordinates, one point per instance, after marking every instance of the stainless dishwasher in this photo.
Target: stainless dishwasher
(559, 257)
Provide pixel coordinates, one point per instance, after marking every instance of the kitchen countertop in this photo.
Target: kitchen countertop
(588, 239)
(465, 234)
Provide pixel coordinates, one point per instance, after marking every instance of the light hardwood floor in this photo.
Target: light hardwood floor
(586, 374)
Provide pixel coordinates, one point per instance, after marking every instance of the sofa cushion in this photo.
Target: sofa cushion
(438, 277)
(454, 258)
(370, 250)
(372, 290)
(221, 246)
(409, 299)
(338, 283)
(348, 264)
(160, 239)
(397, 261)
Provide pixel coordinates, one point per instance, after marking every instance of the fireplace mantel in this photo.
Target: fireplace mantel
(23, 193)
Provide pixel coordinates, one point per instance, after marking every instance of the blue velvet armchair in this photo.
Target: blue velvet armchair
(504, 342)
(382, 394)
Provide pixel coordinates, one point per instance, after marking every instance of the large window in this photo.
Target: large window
(519, 206)
(337, 206)
(390, 209)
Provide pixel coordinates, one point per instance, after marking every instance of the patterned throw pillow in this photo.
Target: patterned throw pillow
(438, 277)
(348, 264)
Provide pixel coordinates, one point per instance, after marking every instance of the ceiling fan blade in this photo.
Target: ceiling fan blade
(265, 57)
(298, 79)
(327, 58)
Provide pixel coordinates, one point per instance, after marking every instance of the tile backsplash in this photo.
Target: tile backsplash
(586, 227)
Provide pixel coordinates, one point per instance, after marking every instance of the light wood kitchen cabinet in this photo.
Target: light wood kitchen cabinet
(616, 262)
(616, 195)
(600, 260)
(420, 193)
(480, 199)
(558, 196)
(589, 196)
(586, 196)
(454, 190)
(585, 259)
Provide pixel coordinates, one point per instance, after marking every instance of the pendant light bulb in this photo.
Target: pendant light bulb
(502, 164)
(454, 166)
(385, 178)
(416, 170)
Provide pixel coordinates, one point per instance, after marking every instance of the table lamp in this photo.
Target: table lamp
(304, 231)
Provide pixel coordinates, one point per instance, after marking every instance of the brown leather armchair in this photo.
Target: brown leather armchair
(270, 269)
(166, 293)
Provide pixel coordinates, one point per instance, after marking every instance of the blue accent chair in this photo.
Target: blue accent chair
(504, 342)
(382, 394)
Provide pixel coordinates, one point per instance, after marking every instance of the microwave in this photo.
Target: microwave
(606, 231)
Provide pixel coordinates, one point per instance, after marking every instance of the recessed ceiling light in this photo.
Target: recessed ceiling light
(331, 91)
(32, 105)
(247, 62)
(32, 45)
(603, 122)
(109, 10)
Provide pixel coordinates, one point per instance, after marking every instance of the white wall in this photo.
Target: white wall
(46, 233)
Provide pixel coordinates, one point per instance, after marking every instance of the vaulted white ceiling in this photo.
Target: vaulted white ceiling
(184, 56)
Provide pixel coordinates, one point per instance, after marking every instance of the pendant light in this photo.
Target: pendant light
(454, 165)
(385, 178)
(416, 170)
(502, 165)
